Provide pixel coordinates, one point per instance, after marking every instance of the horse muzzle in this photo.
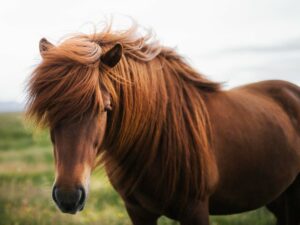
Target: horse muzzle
(69, 201)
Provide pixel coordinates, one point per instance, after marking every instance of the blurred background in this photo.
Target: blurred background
(232, 41)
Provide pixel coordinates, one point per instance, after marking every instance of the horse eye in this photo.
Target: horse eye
(107, 108)
(52, 137)
(95, 145)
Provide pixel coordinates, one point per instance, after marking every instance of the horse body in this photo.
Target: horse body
(258, 154)
(172, 142)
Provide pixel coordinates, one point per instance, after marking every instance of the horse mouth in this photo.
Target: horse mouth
(81, 208)
(71, 211)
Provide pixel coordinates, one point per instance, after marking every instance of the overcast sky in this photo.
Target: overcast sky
(234, 41)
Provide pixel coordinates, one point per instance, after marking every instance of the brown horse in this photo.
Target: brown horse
(172, 142)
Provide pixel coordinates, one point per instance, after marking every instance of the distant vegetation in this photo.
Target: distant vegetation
(26, 176)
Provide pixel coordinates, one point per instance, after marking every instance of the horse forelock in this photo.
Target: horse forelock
(65, 85)
(159, 117)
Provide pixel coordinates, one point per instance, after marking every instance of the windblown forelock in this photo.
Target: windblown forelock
(65, 85)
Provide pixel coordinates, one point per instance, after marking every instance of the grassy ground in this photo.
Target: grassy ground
(26, 176)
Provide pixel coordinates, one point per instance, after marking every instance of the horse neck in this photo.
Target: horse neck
(161, 121)
(136, 128)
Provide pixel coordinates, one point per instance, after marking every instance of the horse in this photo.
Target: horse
(171, 141)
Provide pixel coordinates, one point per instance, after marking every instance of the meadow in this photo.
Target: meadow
(26, 176)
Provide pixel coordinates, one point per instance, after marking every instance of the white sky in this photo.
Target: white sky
(236, 41)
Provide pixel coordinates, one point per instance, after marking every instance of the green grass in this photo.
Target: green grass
(14, 136)
(26, 176)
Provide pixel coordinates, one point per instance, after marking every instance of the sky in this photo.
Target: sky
(233, 41)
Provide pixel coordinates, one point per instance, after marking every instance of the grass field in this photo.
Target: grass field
(26, 176)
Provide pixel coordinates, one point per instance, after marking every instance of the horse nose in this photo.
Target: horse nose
(69, 201)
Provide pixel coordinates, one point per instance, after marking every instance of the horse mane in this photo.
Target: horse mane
(159, 116)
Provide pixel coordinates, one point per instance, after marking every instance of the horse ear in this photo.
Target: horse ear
(45, 45)
(112, 56)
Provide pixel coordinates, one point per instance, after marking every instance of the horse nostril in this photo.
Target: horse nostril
(54, 189)
(82, 196)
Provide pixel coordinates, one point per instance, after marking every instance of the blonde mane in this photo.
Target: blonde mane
(159, 116)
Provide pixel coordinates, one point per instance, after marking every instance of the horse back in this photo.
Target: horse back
(285, 94)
